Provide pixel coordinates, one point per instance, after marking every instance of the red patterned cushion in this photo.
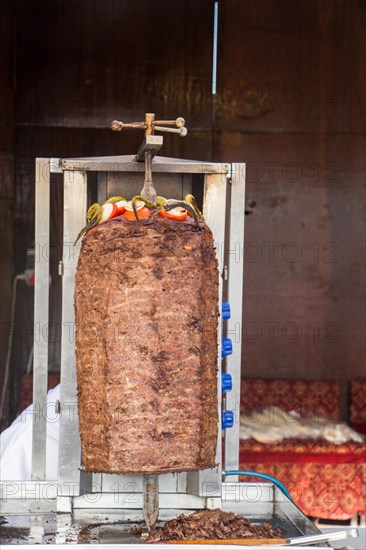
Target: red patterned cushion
(305, 396)
(325, 480)
(358, 405)
(324, 490)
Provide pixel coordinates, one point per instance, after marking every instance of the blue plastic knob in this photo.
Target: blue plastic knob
(227, 347)
(226, 382)
(226, 313)
(227, 419)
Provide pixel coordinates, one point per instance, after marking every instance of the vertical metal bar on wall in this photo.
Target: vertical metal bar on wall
(214, 48)
(41, 301)
(75, 202)
(235, 298)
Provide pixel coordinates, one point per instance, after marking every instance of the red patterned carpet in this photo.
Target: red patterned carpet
(325, 480)
(358, 405)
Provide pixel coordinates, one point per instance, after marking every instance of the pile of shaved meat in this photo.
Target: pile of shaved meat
(210, 525)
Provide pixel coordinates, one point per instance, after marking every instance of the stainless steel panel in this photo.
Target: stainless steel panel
(102, 187)
(134, 501)
(121, 483)
(187, 184)
(128, 163)
(235, 298)
(41, 302)
(168, 483)
(129, 184)
(208, 482)
(70, 478)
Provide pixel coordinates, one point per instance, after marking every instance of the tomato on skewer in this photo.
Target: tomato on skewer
(143, 214)
(178, 213)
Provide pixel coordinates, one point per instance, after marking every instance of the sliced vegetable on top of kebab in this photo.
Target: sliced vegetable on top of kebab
(140, 208)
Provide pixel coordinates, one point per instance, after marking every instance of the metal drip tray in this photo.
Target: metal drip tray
(111, 527)
(259, 503)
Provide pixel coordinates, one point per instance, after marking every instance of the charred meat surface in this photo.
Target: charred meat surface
(146, 306)
(211, 525)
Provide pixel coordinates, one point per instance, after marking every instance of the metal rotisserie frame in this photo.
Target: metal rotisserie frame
(223, 188)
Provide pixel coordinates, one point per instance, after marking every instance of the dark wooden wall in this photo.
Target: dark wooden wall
(6, 174)
(290, 103)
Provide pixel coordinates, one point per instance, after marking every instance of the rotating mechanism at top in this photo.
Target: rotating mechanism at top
(143, 206)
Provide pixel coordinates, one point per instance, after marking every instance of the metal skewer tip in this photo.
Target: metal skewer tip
(151, 500)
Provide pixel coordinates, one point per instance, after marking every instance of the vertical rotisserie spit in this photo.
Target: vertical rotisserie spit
(146, 304)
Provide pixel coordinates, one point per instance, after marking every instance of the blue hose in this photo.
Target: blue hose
(274, 480)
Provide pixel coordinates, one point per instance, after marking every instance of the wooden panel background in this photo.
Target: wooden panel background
(290, 103)
(6, 175)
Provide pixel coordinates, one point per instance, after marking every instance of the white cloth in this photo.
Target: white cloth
(16, 442)
(273, 424)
